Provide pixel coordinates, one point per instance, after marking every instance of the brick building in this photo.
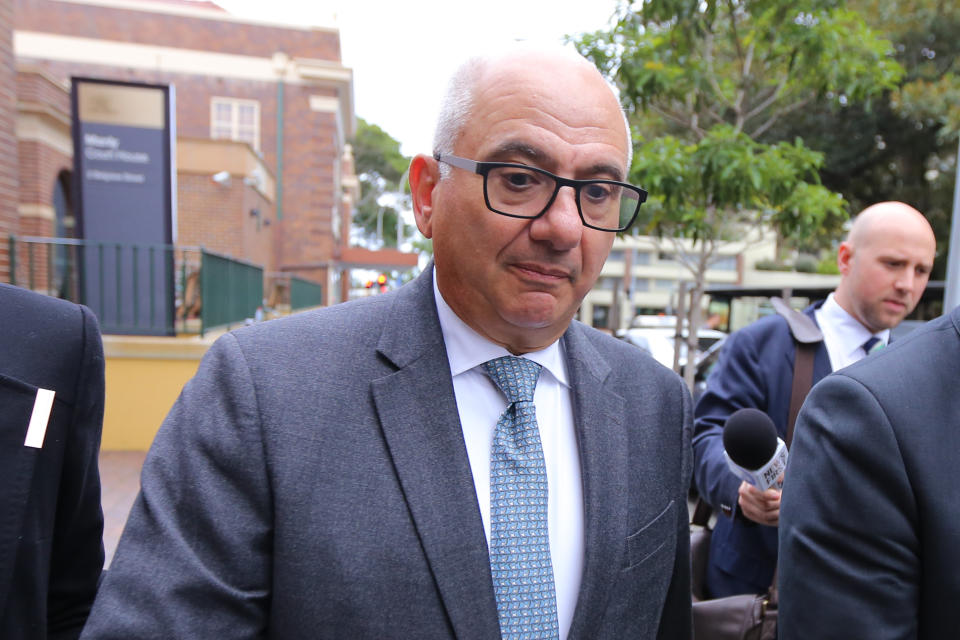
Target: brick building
(265, 108)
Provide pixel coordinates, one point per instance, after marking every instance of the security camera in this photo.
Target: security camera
(221, 178)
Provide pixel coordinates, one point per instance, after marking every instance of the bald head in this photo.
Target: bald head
(884, 219)
(885, 264)
(471, 76)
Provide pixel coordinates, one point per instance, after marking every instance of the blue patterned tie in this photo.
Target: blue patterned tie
(519, 541)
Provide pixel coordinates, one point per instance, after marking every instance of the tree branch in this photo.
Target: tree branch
(688, 124)
(711, 72)
(779, 113)
(742, 91)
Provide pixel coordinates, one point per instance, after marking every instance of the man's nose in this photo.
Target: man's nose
(906, 280)
(560, 224)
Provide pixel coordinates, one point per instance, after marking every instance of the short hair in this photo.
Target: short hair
(456, 107)
(457, 104)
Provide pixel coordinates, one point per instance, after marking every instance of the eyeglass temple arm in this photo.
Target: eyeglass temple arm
(454, 161)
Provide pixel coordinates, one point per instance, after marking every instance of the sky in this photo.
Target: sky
(402, 52)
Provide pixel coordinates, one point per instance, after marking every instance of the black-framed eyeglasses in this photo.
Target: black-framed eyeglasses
(520, 191)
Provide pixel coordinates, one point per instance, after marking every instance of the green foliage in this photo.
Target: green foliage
(771, 265)
(703, 81)
(375, 152)
(904, 145)
(828, 266)
(805, 265)
(380, 167)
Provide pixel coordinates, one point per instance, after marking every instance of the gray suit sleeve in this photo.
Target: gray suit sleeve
(194, 558)
(849, 552)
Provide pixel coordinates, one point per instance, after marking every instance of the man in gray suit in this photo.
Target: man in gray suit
(338, 474)
(870, 514)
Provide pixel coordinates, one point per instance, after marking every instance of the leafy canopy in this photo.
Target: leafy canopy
(703, 81)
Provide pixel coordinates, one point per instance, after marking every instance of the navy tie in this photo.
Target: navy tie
(872, 344)
(519, 540)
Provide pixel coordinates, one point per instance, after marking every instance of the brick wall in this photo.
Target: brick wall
(40, 168)
(9, 218)
(218, 218)
(304, 237)
(149, 27)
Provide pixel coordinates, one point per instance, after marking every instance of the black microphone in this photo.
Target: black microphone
(752, 449)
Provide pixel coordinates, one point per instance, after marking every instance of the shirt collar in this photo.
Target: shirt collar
(848, 329)
(467, 349)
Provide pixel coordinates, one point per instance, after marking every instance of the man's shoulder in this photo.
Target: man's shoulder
(928, 352)
(350, 320)
(622, 357)
(28, 304)
(764, 334)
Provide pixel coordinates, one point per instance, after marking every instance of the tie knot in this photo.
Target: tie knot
(515, 377)
(872, 344)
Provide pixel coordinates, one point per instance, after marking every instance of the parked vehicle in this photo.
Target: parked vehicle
(660, 342)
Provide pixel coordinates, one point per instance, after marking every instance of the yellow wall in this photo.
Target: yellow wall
(144, 378)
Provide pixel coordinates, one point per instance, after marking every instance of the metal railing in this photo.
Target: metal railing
(147, 289)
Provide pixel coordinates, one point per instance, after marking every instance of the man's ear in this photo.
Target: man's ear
(844, 257)
(424, 176)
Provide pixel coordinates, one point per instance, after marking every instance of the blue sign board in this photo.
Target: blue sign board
(123, 160)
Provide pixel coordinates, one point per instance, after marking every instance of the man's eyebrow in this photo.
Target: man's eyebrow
(510, 150)
(613, 171)
(535, 156)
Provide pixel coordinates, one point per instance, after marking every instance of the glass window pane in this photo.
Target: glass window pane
(247, 115)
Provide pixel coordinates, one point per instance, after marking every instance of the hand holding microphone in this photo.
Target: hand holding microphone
(756, 455)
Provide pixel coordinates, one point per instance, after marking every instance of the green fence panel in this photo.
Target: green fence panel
(304, 294)
(231, 290)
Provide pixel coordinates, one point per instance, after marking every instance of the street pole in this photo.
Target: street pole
(951, 292)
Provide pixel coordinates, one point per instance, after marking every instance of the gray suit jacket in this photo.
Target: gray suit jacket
(312, 482)
(870, 512)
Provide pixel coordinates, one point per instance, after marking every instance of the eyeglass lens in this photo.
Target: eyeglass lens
(525, 193)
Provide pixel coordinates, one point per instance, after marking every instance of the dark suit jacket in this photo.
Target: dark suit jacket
(870, 512)
(755, 369)
(51, 525)
(312, 482)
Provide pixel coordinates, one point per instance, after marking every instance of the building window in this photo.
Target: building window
(608, 283)
(234, 119)
(616, 255)
(726, 263)
(601, 316)
(641, 257)
(664, 285)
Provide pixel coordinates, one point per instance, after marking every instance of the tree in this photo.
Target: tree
(380, 167)
(905, 146)
(702, 82)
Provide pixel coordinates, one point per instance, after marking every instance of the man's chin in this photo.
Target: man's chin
(537, 313)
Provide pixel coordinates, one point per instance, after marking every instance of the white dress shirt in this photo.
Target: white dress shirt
(843, 334)
(481, 404)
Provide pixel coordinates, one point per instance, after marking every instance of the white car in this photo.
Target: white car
(659, 342)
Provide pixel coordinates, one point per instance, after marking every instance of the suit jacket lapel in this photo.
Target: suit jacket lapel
(602, 436)
(421, 426)
(821, 359)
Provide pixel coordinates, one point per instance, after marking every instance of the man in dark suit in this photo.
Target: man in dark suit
(51, 415)
(870, 512)
(340, 473)
(884, 264)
